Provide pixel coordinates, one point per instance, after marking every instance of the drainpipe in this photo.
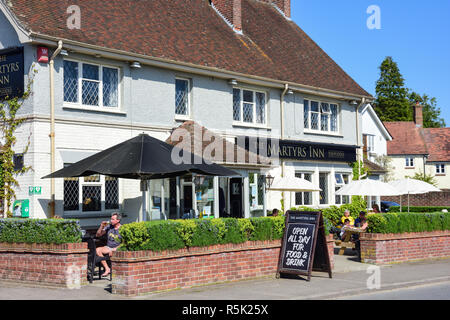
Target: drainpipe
(358, 143)
(52, 129)
(286, 88)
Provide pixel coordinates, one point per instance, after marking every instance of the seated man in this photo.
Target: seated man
(375, 208)
(349, 217)
(113, 239)
(361, 221)
(275, 212)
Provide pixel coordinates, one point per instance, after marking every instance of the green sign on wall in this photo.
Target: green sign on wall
(34, 190)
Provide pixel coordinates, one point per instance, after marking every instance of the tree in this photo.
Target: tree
(428, 178)
(392, 102)
(386, 163)
(9, 122)
(431, 111)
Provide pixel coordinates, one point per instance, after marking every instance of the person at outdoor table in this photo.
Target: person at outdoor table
(111, 229)
(345, 227)
(274, 212)
(375, 208)
(361, 221)
(347, 216)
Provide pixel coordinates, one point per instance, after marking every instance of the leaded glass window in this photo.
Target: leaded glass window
(320, 116)
(182, 97)
(249, 106)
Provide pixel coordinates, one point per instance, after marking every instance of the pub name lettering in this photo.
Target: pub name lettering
(298, 152)
(6, 69)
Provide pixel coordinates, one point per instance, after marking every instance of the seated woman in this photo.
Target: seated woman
(349, 217)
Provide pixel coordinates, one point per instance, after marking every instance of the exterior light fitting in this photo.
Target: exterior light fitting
(232, 82)
(64, 52)
(135, 65)
(353, 103)
(269, 181)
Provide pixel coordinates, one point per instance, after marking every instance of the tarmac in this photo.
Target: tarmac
(349, 278)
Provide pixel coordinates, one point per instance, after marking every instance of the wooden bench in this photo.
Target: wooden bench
(346, 242)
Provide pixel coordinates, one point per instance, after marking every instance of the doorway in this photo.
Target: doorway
(236, 194)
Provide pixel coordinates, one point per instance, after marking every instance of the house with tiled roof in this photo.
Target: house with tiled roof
(106, 71)
(415, 149)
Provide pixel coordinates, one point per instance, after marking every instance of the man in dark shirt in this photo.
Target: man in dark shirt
(113, 238)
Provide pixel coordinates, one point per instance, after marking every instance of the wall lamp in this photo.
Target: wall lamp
(232, 82)
(64, 52)
(135, 65)
(353, 103)
(269, 181)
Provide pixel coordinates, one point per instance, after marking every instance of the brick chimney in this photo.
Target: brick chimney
(231, 10)
(283, 5)
(418, 115)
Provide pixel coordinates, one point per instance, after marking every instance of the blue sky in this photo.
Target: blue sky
(415, 33)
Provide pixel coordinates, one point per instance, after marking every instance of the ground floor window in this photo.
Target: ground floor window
(323, 184)
(256, 190)
(341, 180)
(303, 198)
(91, 194)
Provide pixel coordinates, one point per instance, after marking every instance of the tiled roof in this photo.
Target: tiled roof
(191, 31)
(406, 138)
(409, 140)
(438, 143)
(373, 167)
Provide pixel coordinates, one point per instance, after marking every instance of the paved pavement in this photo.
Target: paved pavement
(350, 278)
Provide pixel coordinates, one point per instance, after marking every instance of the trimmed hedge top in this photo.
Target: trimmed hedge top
(52, 231)
(179, 234)
(407, 222)
(418, 209)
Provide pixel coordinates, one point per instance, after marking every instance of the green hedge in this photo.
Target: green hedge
(407, 222)
(418, 209)
(178, 234)
(52, 231)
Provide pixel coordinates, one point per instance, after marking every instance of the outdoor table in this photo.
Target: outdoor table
(346, 243)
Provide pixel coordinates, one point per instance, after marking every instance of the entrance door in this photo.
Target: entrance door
(236, 208)
(187, 199)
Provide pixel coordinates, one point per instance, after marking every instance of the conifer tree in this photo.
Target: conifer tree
(392, 103)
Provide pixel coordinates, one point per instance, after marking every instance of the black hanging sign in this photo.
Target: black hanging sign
(11, 73)
(304, 247)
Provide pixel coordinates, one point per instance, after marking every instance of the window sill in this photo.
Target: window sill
(251, 125)
(440, 174)
(410, 168)
(94, 109)
(322, 133)
(182, 118)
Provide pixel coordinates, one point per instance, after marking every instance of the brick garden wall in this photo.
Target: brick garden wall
(44, 264)
(393, 248)
(141, 272)
(423, 200)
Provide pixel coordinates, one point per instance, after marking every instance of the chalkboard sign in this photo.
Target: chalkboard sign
(304, 246)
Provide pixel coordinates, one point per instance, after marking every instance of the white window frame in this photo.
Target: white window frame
(319, 113)
(370, 142)
(340, 185)
(188, 107)
(102, 185)
(440, 168)
(80, 79)
(302, 175)
(409, 162)
(254, 123)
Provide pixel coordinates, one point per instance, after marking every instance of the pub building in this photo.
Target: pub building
(241, 75)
